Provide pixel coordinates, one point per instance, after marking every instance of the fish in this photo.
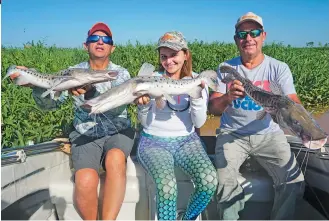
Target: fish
(62, 80)
(284, 111)
(157, 87)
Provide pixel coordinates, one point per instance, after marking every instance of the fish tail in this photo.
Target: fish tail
(231, 73)
(9, 72)
(7, 75)
(211, 79)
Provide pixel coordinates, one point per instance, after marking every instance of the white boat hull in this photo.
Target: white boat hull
(49, 176)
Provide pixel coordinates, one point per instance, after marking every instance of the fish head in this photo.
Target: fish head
(300, 122)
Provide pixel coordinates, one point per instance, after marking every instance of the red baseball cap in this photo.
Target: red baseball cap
(100, 26)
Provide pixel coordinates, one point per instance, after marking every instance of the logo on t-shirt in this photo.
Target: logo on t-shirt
(247, 103)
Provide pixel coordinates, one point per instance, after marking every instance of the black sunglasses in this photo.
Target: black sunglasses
(253, 33)
(95, 38)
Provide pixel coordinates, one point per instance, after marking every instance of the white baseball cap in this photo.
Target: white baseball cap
(249, 16)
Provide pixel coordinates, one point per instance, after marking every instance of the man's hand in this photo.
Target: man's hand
(236, 91)
(82, 90)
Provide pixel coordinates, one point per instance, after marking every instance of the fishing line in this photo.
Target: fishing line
(317, 198)
(110, 122)
(104, 127)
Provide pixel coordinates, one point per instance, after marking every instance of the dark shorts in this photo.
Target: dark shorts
(90, 152)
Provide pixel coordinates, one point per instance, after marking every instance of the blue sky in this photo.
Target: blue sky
(66, 22)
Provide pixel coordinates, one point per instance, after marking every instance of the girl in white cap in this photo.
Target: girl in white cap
(169, 138)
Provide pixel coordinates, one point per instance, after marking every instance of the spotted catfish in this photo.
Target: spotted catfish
(62, 80)
(286, 113)
(157, 87)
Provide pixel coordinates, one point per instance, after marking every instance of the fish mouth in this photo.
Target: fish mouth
(112, 75)
(312, 143)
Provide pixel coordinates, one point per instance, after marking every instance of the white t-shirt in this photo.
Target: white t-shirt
(240, 116)
(170, 123)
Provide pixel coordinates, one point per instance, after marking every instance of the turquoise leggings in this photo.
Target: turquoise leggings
(160, 155)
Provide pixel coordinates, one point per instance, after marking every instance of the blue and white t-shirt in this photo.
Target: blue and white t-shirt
(240, 116)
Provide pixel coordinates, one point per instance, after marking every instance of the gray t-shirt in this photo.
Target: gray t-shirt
(240, 116)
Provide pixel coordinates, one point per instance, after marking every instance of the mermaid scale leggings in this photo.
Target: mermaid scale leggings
(159, 156)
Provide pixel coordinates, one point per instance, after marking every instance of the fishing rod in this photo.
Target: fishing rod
(34, 146)
(19, 154)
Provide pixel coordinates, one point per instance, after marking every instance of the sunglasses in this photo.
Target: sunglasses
(253, 33)
(95, 38)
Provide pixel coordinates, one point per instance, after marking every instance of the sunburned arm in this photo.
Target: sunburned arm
(218, 102)
(294, 98)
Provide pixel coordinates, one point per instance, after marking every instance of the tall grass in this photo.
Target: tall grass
(22, 121)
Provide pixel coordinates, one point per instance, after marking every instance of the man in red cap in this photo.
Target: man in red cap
(112, 148)
(106, 139)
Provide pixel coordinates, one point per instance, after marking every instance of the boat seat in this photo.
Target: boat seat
(140, 198)
(135, 201)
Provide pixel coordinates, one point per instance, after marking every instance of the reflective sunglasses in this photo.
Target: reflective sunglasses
(95, 38)
(253, 33)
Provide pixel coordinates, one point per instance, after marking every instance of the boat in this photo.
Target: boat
(37, 184)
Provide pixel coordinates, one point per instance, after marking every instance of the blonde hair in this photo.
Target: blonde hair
(187, 66)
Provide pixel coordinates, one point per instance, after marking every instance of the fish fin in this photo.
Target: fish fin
(169, 99)
(160, 103)
(261, 115)
(275, 88)
(48, 91)
(44, 94)
(195, 93)
(33, 69)
(146, 70)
